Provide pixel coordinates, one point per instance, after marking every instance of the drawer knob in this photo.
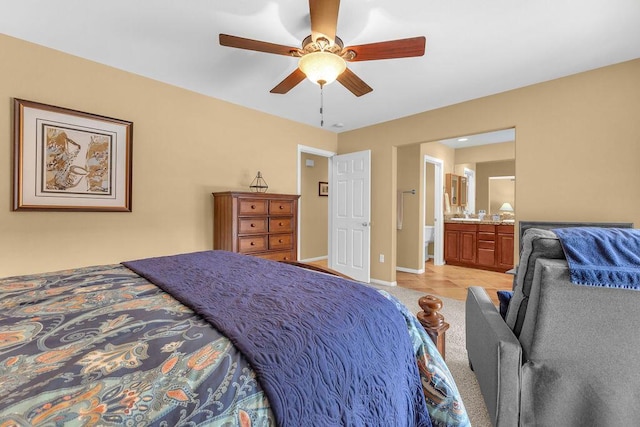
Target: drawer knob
(253, 243)
(279, 240)
(253, 225)
(280, 224)
(253, 206)
(286, 258)
(281, 207)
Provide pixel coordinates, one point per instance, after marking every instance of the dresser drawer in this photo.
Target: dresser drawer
(252, 244)
(486, 236)
(485, 244)
(253, 206)
(504, 229)
(281, 225)
(280, 241)
(277, 207)
(252, 225)
(486, 257)
(279, 256)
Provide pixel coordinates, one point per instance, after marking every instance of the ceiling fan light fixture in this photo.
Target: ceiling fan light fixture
(322, 67)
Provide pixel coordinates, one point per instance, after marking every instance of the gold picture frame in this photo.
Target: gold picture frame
(70, 160)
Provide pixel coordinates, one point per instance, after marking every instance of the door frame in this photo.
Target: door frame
(318, 152)
(438, 240)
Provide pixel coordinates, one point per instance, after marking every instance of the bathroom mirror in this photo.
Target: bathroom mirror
(502, 189)
(463, 190)
(452, 185)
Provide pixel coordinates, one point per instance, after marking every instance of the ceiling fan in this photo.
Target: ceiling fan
(323, 56)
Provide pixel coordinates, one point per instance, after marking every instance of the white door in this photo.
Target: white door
(350, 215)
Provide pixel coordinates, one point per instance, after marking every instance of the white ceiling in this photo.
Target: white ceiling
(474, 48)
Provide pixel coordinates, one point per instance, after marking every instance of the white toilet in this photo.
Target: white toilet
(428, 238)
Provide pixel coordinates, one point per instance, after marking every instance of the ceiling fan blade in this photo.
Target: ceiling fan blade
(403, 48)
(354, 83)
(289, 82)
(257, 45)
(324, 18)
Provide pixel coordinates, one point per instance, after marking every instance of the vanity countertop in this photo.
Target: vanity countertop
(478, 221)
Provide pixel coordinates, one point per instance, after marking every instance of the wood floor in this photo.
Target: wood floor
(452, 282)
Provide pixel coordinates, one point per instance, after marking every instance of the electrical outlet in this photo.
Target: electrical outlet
(381, 257)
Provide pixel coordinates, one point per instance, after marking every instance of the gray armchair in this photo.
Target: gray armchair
(566, 355)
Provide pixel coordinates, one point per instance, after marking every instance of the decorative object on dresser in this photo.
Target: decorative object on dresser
(259, 185)
(259, 224)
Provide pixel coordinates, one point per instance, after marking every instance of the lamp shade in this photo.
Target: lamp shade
(506, 206)
(322, 67)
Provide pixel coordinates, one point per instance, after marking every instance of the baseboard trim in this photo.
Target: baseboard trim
(320, 258)
(383, 283)
(410, 270)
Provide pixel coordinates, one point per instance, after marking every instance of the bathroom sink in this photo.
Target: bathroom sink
(466, 219)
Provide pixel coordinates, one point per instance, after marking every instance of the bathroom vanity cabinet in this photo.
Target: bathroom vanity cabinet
(487, 246)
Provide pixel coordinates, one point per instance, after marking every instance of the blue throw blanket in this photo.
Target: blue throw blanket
(328, 351)
(608, 257)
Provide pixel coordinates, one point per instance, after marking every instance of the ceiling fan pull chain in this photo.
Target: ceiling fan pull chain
(321, 105)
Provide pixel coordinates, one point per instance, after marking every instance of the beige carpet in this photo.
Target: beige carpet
(456, 356)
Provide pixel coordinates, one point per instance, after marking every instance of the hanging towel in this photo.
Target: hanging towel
(608, 257)
(400, 209)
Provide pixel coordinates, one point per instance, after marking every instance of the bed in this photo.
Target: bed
(214, 338)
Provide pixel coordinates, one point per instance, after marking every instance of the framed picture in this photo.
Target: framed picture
(323, 189)
(69, 160)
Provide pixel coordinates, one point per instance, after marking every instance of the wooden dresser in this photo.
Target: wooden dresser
(259, 224)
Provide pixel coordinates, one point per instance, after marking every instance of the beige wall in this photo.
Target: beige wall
(410, 172)
(561, 125)
(185, 146)
(314, 209)
(409, 178)
(486, 153)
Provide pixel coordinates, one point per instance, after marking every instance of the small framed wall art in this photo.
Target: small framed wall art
(69, 160)
(323, 189)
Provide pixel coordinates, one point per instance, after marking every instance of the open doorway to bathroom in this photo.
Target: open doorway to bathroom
(473, 157)
(433, 209)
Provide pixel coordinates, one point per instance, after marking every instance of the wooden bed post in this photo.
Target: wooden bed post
(433, 321)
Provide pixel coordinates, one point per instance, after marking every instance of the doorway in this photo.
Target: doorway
(433, 211)
(313, 226)
(466, 157)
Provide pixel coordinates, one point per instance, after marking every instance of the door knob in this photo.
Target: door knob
(365, 224)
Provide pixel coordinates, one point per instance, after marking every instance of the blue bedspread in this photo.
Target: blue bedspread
(608, 257)
(304, 337)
